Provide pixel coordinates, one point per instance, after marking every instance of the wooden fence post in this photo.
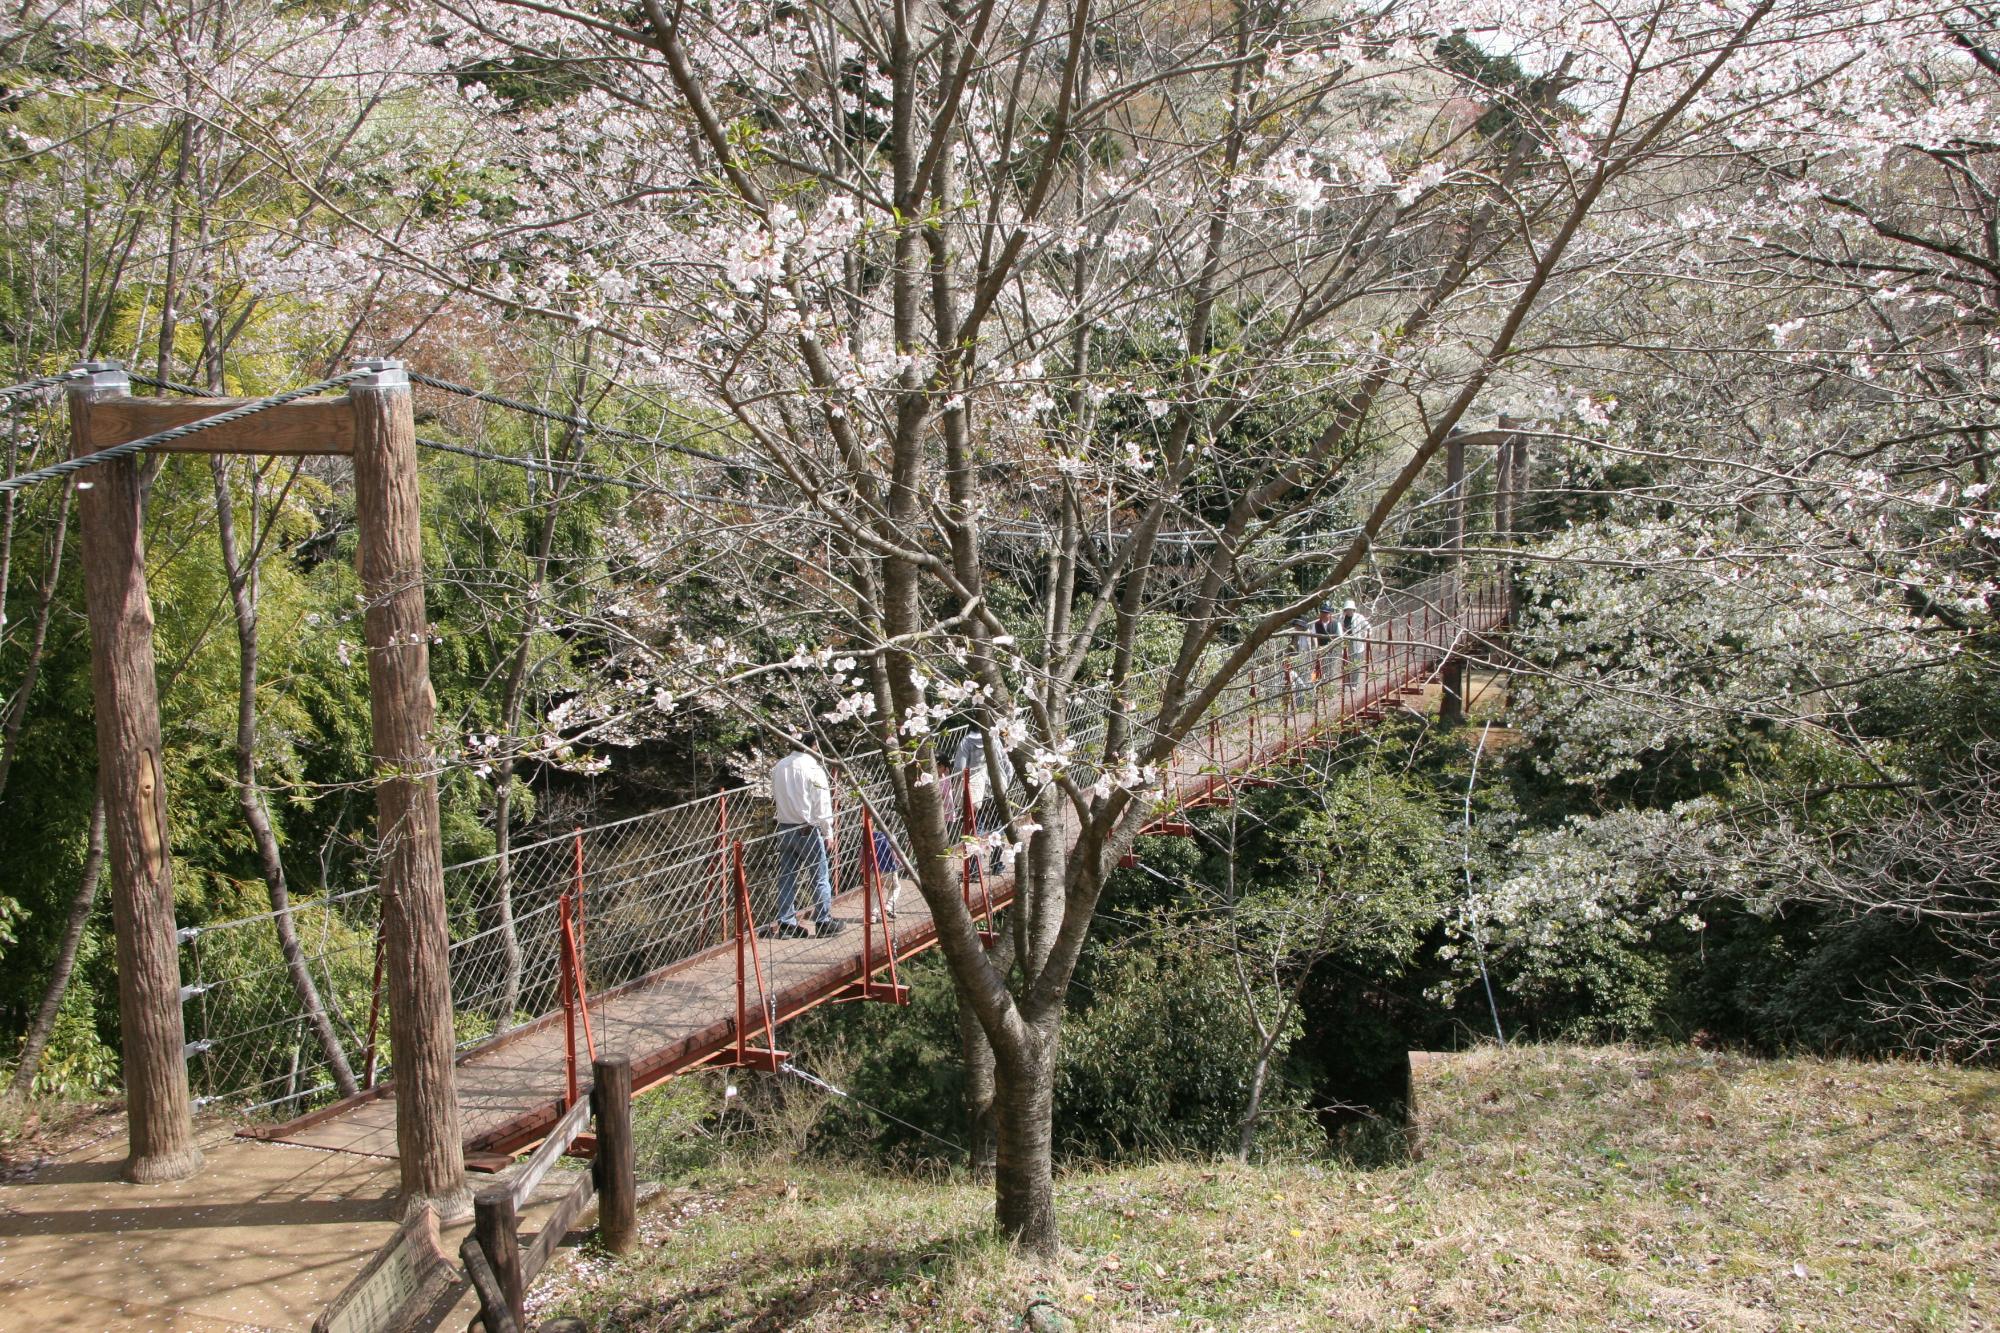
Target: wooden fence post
(430, 1151)
(124, 687)
(496, 1222)
(612, 1164)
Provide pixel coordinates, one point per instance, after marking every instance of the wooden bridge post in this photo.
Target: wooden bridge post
(1451, 701)
(430, 1151)
(124, 688)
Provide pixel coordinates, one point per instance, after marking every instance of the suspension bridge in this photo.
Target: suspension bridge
(642, 934)
(639, 934)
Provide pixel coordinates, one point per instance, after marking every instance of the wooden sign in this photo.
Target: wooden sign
(397, 1287)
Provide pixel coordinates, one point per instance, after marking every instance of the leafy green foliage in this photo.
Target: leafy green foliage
(1159, 1059)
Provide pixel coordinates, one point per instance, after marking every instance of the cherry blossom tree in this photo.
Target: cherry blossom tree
(1160, 318)
(1778, 434)
(1040, 362)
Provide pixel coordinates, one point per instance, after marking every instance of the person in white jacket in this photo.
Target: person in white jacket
(804, 797)
(1353, 629)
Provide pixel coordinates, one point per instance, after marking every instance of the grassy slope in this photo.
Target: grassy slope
(1562, 1188)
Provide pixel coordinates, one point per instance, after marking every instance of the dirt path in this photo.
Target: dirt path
(261, 1239)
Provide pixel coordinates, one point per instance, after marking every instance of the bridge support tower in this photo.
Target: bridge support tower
(375, 425)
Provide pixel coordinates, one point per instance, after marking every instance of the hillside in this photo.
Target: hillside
(1560, 1188)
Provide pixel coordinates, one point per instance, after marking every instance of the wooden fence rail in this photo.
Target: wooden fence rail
(501, 1271)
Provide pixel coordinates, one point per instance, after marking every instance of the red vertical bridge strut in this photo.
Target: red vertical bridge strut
(766, 1057)
(873, 904)
(570, 982)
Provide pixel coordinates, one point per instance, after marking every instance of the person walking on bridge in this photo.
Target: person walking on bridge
(1298, 659)
(804, 797)
(1353, 630)
(1326, 633)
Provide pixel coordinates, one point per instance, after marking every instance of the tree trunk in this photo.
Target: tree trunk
(509, 999)
(429, 1147)
(249, 793)
(159, 1113)
(1024, 1204)
(38, 638)
(1259, 1073)
(977, 1053)
(80, 907)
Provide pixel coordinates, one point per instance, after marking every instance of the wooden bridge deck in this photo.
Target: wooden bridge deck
(511, 1089)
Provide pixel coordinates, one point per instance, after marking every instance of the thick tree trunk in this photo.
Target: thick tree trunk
(429, 1147)
(977, 1053)
(80, 907)
(1024, 1204)
(132, 783)
(250, 793)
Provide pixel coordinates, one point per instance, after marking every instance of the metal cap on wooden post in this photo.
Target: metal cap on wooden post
(124, 687)
(402, 711)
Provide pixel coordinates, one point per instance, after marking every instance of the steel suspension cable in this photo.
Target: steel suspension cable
(602, 478)
(35, 385)
(192, 390)
(568, 419)
(1004, 528)
(805, 1076)
(514, 460)
(130, 447)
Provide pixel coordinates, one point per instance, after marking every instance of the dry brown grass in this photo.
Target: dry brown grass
(1562, 1188)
